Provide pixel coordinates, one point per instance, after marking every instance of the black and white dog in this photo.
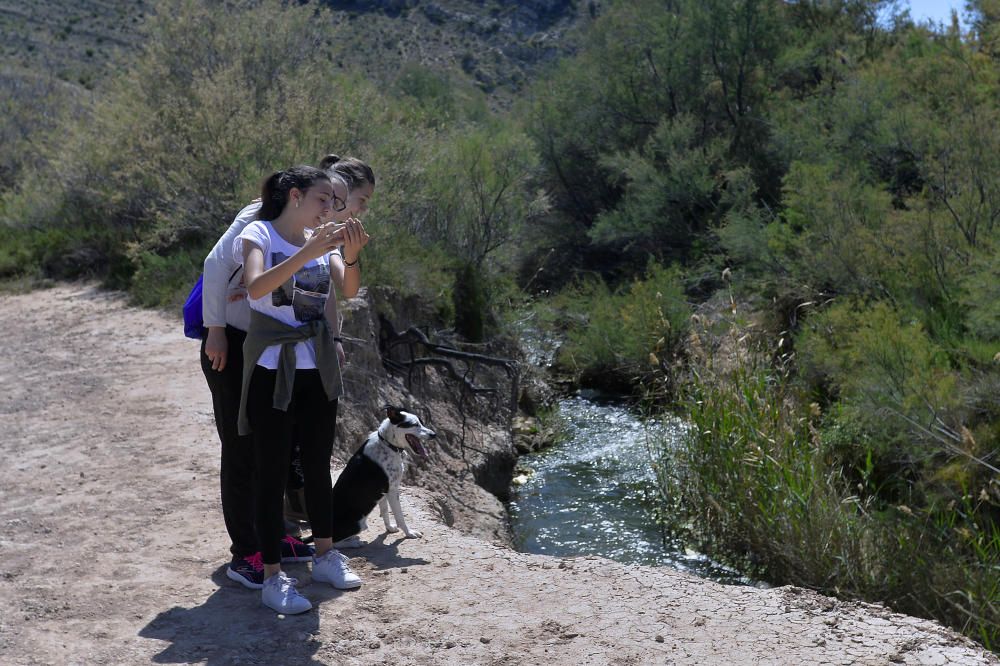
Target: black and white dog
(373, 474)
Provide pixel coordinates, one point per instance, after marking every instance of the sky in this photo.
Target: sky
(936, 10)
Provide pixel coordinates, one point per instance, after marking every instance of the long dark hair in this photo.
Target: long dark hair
(354, 172)
(274, 191)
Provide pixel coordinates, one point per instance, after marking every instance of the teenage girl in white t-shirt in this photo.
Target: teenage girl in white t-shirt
(226, 315)
(288, 258)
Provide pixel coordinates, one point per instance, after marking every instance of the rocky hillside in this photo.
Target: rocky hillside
(74, 41)
(494, 45)
(57, 55)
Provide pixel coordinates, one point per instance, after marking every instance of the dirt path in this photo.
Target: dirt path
(112, 545)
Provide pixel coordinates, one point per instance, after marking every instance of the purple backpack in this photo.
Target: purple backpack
(193, 322)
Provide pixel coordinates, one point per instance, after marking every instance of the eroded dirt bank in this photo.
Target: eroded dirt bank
(112, 545)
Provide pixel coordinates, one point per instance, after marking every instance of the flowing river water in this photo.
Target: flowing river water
(594, 493)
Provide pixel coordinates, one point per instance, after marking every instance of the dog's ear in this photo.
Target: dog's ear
(395, 414)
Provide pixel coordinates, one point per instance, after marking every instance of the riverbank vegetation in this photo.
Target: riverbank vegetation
(852, 499)
(817, 183)
(834, 168)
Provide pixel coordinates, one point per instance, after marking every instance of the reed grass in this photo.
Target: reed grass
(753, 486)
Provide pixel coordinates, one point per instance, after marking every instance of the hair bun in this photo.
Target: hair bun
(328, 161)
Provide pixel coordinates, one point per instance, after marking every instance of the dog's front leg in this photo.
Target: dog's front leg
(397, 510)
(383, 509)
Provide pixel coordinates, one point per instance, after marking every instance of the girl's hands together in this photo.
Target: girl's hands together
(324, 239)
(355, 239)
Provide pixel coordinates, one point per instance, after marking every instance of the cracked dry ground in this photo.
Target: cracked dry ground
(112, 545)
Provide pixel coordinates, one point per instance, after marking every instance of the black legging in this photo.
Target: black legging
(313, 420)
(236, 472)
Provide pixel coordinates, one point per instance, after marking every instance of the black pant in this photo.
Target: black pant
(237, 469)
(310, 420)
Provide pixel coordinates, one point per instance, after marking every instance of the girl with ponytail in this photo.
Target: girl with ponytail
(226, 315)
(291, 367)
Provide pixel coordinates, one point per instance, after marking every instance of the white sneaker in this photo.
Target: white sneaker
(350, 542)
(332, 568)
(279, 594)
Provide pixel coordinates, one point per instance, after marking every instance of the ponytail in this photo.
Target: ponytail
(352, 170)
(271, 201)
(328, 161)
(274, 192)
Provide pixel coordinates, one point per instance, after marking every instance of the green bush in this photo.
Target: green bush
(637, 131)
(400, 260)
(668, 188)
(981, 297)
(164, 280)
(880, 357)
(31, 106)
(16, 256)
(898, 406)
(470, 303)
(181, 141)
(617, 338)
(477, 193)
(752, 484)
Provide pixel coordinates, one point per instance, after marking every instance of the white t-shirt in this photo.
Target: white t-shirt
(300, 300)
(223, 295)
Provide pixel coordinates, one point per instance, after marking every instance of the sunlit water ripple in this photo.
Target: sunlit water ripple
(592, 494)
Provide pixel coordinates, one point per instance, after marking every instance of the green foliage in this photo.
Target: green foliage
(743, 233)
(472, 200)
(64, 252)
(470, 303)
(398, 259)
(477, 191)
(637, 132)
(668, 189)
(441, 97)
(212, 105)
(885, 487)
(30, 107)
(835, 231)
(165, 280)
(892, 187)
(12, 261)
(752, 484)
(875, 356)
(899, 407)
(981, 296)
(173, 148)
(431, 90)
(629, 335)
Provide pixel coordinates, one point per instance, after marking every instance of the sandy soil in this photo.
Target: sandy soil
(112, 547)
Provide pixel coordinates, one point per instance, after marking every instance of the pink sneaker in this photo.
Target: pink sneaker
(294, 550)
(247, 571)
